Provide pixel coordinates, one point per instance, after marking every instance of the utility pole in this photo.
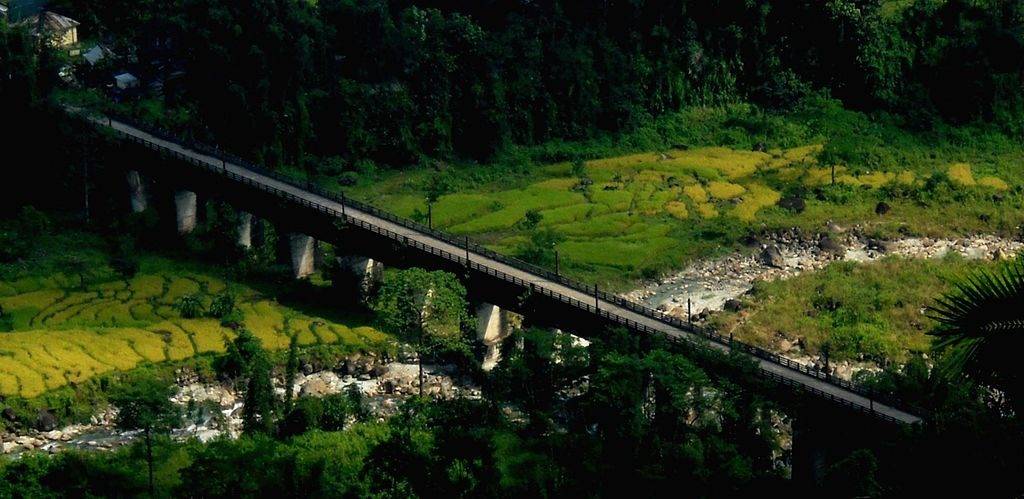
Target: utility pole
(430, 215)
(825, 350)
(556, 263)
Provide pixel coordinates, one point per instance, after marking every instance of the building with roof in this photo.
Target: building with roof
(124, 81)
(60, 31)
(96, 54)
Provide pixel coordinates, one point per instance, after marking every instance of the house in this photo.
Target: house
(124, 81)
(60, 31)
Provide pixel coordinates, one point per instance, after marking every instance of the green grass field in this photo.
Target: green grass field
(59, 333)
(625, 216)
(874, 309)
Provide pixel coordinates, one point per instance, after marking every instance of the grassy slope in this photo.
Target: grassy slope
(60, 333)
(703, 188)
(875, 309)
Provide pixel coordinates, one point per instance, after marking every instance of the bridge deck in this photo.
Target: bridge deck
(771, 369)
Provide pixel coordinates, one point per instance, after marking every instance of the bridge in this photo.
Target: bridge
(576, 301)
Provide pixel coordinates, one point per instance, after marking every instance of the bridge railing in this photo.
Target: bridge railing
(465, 244)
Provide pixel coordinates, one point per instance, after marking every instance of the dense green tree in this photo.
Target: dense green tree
(537, 374)
(290, 370)
(144, 404)
(426, 307)
(240, 353)
(259, 403)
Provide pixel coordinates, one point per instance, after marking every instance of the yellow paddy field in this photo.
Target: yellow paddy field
(654, 211)
(60, 334)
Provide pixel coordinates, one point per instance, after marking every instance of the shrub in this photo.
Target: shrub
(222, 305)
(125, 259)
(304, 416)
(348, 179)
(189, 306)
(579, 168)
(532, 219)
(541, 247)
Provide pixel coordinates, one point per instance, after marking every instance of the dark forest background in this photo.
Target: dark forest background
(399, 81)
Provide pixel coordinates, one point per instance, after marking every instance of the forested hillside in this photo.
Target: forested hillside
(403, 81)
(844, 177)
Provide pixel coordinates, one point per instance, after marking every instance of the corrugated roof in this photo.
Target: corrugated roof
(57, 22)
(52, 22)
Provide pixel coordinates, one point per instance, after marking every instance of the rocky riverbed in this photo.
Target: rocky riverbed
(213, 410)
(710, 284)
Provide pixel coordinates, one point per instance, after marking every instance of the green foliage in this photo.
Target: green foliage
(258, 405)
(531, 220)
(866, 311)
(470, 80)
(541, 247)
(330, 413)
(239, 355)
(189, 306)
(124, 256)
(651, 212)
(426, 307)
(980, 327)
(222, 305)
(143, 403)
(532, 376)
(290, 370)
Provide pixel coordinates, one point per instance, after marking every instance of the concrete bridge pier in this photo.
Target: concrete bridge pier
(364, 271)
(303, 254)
(185, 210)
(245, 229)
(137, 191)
(493, 325)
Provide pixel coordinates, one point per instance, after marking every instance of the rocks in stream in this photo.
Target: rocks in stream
(880, 245)
(45, 420)
(314, 388)
(215, 409)
(772, 256)
(830, 247)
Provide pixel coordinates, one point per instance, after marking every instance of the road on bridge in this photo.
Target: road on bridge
(772, 369)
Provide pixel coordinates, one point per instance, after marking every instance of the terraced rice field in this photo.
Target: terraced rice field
(60, 334)
(654, 211)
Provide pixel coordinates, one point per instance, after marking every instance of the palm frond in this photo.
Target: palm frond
(981, 322)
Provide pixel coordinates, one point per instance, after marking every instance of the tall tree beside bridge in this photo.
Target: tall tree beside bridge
(426, 307)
